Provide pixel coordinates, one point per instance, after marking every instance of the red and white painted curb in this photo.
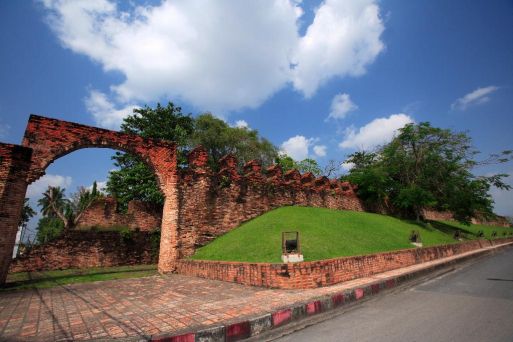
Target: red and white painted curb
(255, 326)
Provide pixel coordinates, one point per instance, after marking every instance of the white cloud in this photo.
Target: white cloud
(100, 185)
(346, 166)
(219, 56)
(320, 150)
(476, 97)
(376, 132)
(342, 40)
(36, 189)
(104, 112)
(341, 105)
(297, 147)
(241, 124)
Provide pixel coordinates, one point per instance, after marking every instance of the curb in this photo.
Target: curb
(262, 324)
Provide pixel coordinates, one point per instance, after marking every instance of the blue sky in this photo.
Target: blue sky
(319, 79)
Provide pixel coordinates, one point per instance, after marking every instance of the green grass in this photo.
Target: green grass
(324, 234)
(45, 279)
(474, 228)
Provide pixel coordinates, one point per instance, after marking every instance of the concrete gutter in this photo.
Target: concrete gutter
(263, 325)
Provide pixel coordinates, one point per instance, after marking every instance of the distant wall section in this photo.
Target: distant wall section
(104, 213)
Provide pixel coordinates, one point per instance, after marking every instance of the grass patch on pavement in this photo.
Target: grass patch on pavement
(324, 234)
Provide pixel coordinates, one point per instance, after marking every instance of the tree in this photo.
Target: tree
(48, 228)
(309, 165)
(69, 211)
(53, 203)
(219, 139)
(134, 180)
(286, 162)
(332, 169)
(427, 166)
(26, 214)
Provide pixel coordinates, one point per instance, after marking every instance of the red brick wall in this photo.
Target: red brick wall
(321, 273)
(212, 204)
(14, 166)
(80, 249)
(430, 214)
(50, 139)
(103, 213)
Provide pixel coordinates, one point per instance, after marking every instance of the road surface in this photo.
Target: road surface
(474, 303)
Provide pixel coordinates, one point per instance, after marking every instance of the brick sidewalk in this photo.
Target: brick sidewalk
(139, 308)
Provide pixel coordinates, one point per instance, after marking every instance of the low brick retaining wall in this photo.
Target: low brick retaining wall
(82, 249)
(313, 274)
(264, 324)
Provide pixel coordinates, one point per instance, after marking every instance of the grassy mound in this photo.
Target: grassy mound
(327, 234)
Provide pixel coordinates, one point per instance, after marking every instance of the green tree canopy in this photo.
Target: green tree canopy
(427, 166)
(48, 228)
(303, 166)
(220, 139)
(135, 181)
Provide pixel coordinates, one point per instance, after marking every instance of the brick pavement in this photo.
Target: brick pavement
(139, 308)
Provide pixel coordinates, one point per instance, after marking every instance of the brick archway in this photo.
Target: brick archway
(46, 140)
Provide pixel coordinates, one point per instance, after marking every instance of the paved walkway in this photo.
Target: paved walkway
(139, 308)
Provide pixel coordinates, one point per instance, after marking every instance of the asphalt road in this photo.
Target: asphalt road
(474, 303)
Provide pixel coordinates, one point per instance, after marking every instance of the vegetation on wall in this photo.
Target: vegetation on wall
(135, 181)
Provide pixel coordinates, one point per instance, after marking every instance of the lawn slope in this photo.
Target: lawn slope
(325, 234)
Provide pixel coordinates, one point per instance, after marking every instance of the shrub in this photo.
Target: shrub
(126, 235)
(155, 243)
(48, 229)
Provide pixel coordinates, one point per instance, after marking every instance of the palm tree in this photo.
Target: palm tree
(53, 204)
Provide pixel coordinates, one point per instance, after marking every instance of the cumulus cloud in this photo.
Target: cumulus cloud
(218, 56)
(342, 40)
(341, 105)
(35, 189)
(320, 150)
(100, 186)
(297, 147)
(476, 97)
(104, 112)
(376, 132)
(346, 166)
(241, 124)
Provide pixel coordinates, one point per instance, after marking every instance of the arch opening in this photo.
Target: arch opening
(47, 140)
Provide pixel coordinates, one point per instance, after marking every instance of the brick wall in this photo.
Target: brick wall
(434, 215)
(325, 272)
(103, 213)
(14, 166)
(211, 204)
(81, 249)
